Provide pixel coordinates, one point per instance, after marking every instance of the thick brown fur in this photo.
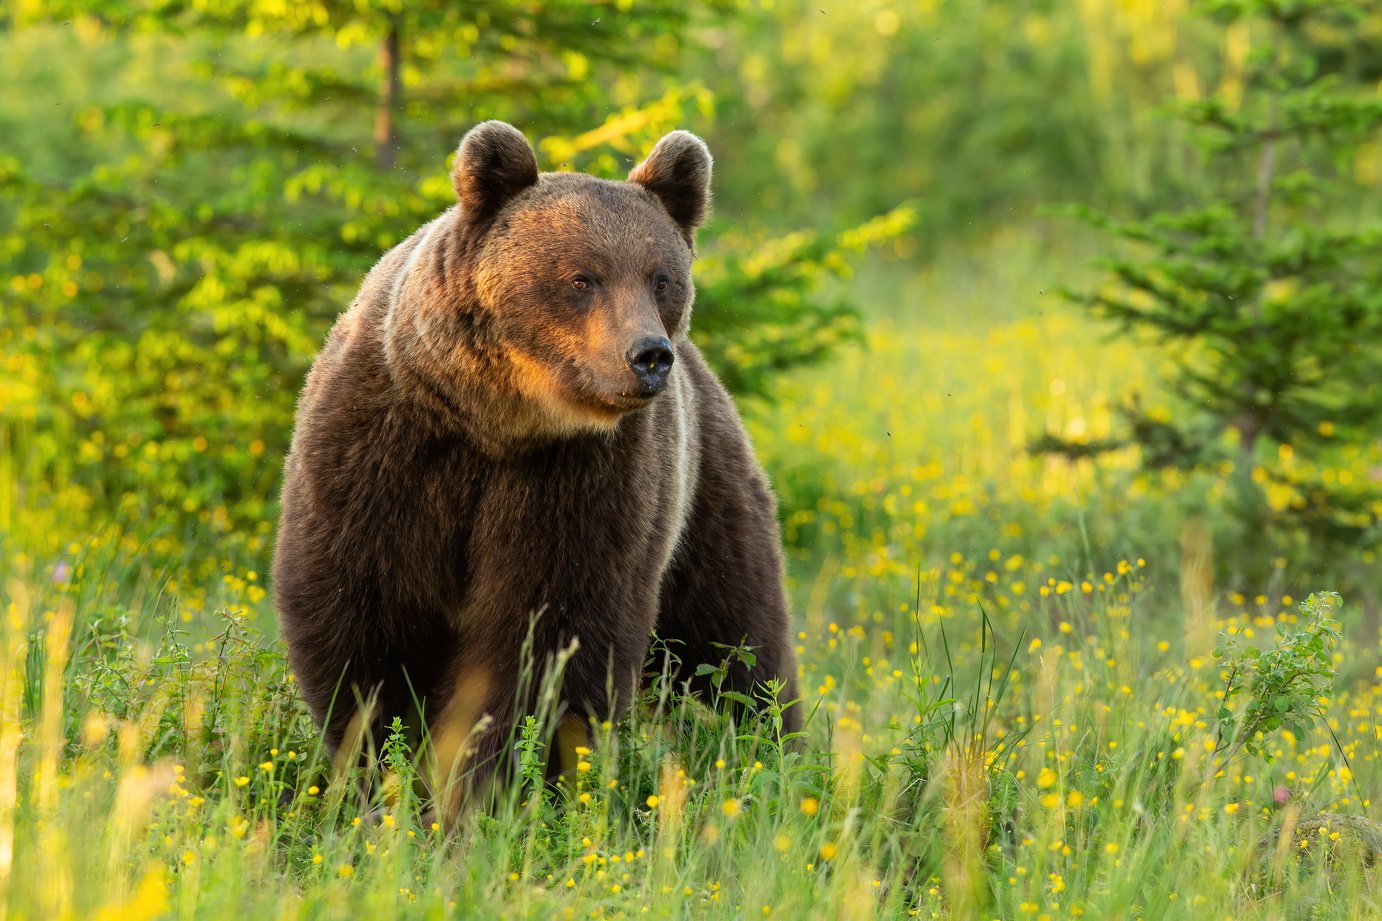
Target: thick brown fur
(472, 449)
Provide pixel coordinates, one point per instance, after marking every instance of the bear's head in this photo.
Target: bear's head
(584, 283)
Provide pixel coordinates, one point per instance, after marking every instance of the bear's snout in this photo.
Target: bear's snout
(650, 359)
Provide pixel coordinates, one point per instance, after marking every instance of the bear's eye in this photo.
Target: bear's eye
(661, 285)
(580, 283)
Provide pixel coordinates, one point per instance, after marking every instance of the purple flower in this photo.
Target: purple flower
(62, 573)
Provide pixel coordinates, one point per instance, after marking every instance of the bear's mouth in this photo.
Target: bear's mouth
(595, 391)
(588, 394)
(619, 402)
(581, 392)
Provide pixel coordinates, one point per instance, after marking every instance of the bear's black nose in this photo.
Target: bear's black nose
(651, 358)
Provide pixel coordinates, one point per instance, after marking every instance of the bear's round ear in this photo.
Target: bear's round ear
(493, 165)
(678, 173)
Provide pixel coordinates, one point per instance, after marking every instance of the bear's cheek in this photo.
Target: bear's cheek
(531, 316)
(557, 366)
(557, 387)
(579, 342)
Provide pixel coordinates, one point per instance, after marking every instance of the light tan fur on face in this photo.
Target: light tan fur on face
(525, 396)
(598, 350)
(562, 415)
(522, 278)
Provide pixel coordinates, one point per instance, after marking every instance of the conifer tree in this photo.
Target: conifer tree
(1268, 288)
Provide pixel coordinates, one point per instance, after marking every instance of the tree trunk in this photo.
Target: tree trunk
(390, 94)
(1249, 425)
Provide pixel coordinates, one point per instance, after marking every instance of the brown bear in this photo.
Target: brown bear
(509, 439)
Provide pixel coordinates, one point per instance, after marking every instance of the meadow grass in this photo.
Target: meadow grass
(1007, 664)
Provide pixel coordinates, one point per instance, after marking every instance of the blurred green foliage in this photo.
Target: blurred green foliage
(857, 106)
(1269, 291)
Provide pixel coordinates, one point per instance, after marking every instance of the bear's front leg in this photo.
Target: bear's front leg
(356, 679)
(557, 672)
